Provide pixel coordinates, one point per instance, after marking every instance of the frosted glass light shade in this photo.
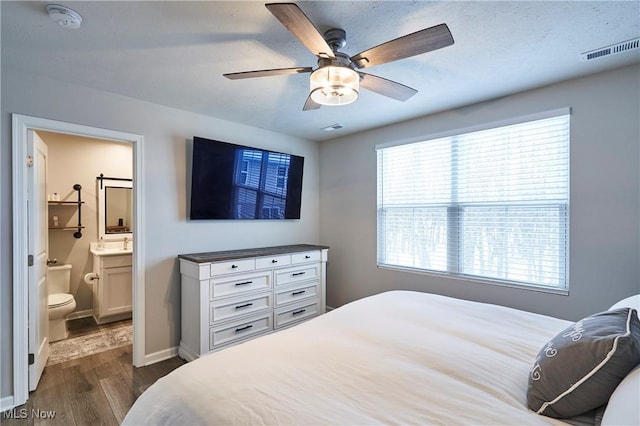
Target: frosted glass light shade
(333, 85)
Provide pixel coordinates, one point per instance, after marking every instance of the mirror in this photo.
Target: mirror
(115, 212)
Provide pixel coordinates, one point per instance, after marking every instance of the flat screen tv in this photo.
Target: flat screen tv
(231, 181)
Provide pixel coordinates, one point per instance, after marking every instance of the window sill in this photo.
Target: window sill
(500, 283)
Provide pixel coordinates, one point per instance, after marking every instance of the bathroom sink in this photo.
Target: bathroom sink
(111, 251)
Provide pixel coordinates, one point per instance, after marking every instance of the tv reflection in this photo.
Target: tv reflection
(260, 184)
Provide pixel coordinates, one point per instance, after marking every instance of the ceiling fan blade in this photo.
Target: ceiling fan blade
(386, 87)
(292, 17)
(310, 104)
(266, 73)
(422, 41)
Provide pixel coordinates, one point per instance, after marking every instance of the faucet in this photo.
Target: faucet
(125, 241)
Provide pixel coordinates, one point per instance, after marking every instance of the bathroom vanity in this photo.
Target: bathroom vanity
(112, 277)
(112, 289)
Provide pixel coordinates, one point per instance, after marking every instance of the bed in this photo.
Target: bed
(398, 357)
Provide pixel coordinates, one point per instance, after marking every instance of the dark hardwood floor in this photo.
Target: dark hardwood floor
(95, 390)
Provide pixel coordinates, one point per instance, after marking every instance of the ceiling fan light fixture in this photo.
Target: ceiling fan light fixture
(334, 85)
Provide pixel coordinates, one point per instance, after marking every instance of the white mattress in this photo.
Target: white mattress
(394, 358)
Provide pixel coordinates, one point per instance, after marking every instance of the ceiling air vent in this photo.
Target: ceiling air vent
(611, 50)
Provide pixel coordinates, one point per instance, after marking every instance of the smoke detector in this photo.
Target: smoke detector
(63, 16)
(332, 127)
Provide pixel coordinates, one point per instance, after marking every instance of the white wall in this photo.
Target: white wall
(167, 230)
(604, 200)
(73, 159)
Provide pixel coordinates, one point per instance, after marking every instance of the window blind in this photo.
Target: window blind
(490, 204)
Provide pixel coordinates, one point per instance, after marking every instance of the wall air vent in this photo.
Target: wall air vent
(614, 49)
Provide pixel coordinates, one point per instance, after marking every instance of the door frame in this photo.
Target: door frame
(20, 125)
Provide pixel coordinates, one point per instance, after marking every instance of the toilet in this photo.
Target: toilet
(61, 302)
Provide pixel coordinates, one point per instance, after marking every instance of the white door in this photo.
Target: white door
(38, 247)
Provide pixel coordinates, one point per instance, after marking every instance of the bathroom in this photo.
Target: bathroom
(73, 240)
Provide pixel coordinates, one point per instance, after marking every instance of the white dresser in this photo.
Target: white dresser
(232, 296)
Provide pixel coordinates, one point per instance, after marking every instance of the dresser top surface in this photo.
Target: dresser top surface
(218, 256)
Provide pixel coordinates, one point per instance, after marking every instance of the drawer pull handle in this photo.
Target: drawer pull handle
(246, 327)
(246, 305)
(307, 257)
(244, 283)
(295, 293)
(295, 274)
(234, 266)
(298, 312)
(274, 261)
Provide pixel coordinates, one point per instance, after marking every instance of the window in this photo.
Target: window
(282, 178)
(489, 204)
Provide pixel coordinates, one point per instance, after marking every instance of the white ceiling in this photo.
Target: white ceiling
(174, 53)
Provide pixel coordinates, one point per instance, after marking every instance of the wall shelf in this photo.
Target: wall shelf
(64, 203)
(78, 204)
(67, 228)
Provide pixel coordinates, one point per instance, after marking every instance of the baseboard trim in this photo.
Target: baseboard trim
(6, 403)
(186, 353)
(160, 355)
(329, 308)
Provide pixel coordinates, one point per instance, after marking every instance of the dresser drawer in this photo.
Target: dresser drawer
(273, 262)
(238, 284)
(287, 316)
(296, 293)
(232, 267)
(305, 257)
(297, 274)
(239, 330)
(227, 309)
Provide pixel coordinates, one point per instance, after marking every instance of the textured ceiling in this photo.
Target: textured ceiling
(174, 53)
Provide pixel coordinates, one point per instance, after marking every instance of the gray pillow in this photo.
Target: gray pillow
(579, 369)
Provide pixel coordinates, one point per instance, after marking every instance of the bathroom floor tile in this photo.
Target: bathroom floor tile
(82, 326)
(100, 340)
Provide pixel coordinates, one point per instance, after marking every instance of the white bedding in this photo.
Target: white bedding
(394, 358)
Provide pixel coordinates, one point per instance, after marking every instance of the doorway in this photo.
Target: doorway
(77, 213)
(22, 172)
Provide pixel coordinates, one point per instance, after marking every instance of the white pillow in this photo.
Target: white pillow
(629, 302)
(623, 408)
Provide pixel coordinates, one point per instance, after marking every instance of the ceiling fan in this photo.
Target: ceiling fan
(337, 80)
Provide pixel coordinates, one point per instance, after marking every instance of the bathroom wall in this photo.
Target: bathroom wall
(71, 160)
